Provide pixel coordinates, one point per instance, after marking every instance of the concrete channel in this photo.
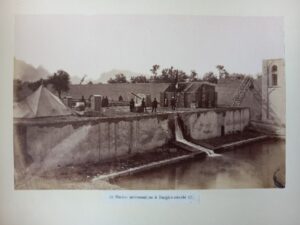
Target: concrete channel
(194, 150)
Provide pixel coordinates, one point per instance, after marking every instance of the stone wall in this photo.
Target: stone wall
(209, 124)
(47, 146)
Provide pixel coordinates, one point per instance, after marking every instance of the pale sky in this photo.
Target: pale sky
(95, 44)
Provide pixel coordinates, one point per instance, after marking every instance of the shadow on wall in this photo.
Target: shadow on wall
(48, 147)
(43, 147)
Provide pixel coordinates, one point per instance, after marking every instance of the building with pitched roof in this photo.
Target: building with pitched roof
(191, 95)
(41, 103)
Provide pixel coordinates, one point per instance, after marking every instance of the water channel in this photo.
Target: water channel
(249, 166)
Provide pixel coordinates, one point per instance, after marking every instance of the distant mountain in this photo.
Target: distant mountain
(27, 72)
(104, 77)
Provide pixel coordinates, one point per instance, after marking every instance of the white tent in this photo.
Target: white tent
(41, 103)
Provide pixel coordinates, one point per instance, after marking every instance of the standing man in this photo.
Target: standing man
(83, 100)
(154, 105)
(166, 102)
(143, 106)
(173, 103)
(103, 102)
(131, 105)
(106, 101)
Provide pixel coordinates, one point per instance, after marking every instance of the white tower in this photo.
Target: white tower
(273, 92)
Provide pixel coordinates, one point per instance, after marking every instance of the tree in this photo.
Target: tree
(154, 69)
(33, 86)
(194, 76)
(164, 77)
(139, 79)
(119, 78)
(181, 76)
(60, 81)
(222, 72)
(170, 75)
(210, 77)
(18, 85)
(90, 82)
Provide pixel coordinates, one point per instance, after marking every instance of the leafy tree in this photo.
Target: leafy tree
(90, 82)
(164, 77)
(210, 77)
(170, 75)
(60, 81)
(18, 85)
(17, 89)
(194, 76)
(154, 69)
(119, 78)
(222, 72)
(33, 86)
(139, 79)
(181, 76)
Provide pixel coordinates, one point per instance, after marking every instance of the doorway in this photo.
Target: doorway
(222, 131)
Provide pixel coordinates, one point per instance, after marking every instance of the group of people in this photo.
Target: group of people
(154, 105)
(143, 105)
(142, 108)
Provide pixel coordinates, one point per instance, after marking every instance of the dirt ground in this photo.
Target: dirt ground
(80, 177)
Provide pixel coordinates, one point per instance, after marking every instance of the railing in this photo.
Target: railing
(240, 93)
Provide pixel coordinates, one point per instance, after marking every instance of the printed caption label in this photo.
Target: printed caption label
(152, 196)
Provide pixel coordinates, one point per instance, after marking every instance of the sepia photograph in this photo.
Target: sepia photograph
(149, 102)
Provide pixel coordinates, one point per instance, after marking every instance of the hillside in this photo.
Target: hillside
(104, 77)
(27, 72)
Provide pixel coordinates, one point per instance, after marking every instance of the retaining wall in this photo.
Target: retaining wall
(49, 145)
(209, 124)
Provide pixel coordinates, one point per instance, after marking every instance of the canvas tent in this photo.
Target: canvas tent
(41, 103)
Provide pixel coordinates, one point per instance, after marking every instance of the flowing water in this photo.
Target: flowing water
(249, 166)
(179, 138)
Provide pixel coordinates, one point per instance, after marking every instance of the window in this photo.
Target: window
(274, 75)
(274, 68)
(274, 79)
